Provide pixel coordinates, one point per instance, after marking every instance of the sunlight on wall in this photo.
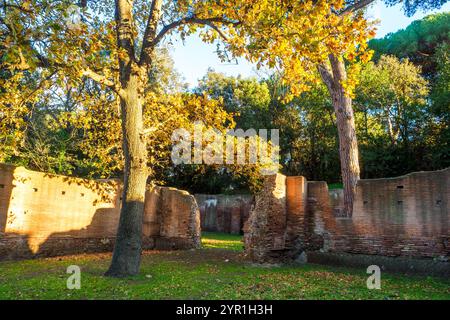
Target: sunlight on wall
(42, 205)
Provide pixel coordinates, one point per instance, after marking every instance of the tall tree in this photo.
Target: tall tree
(117, 53)
(392, 89)
(418, 42)
(336, 78)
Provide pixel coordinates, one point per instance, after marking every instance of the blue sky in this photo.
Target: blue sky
(193, 58)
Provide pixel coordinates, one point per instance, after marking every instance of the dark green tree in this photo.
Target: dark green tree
(418, 42)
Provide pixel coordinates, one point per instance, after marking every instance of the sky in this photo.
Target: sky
(193, 57)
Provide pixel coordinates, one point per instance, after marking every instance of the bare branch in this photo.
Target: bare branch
(193, 20)
(216, 28)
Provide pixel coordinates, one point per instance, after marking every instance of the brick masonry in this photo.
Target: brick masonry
(49, 215)
(406, 216)
(224, 213)
(265, 229)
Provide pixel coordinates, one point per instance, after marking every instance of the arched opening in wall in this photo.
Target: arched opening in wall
(222, 218)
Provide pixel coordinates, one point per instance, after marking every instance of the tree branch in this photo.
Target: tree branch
(193, 20)
(102, 80)
(326, 75)
(355, 7)
(125, 30)
(150, 130)
(216, 28)
(150, 32)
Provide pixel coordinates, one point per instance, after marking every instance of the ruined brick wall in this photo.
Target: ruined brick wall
(179, 220)
(47, 215)
(224, 213)
(404, 216)
(296, 218)
(265, 229)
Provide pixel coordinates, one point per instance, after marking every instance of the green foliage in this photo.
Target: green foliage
(440, 110)
(396, 126)
(398, 130)
(308, 135)
(163, 77)
(418, 42)
(52, 120)
(246, 98)
(394, 92)
(426, 44)
(440, 94)
(334, 186)
(410, 7)
(214, 179)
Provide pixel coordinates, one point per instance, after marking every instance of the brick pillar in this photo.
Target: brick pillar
(265, 229)
(235, 226)
(296, 209)
(318, 215)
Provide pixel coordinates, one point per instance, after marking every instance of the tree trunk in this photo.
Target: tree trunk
(392, 135)
(127, 250)
(128, 247)
(133, 79)
(345, 121)
(348, 147)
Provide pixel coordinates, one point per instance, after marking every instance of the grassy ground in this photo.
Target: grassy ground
(210, 273)
(216, 240)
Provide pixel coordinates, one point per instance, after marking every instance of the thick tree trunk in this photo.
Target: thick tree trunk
(127, 250)
(345, 121)
(128, 247)
(133, 78)
(348, 147)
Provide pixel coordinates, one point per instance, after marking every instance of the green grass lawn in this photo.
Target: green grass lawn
(216, 240)
(209, 273)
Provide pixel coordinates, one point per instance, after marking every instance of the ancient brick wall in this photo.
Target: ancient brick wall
(224, 213)
(179, 219)
(296, 217)
(46, 215)
(404, 216)
(265, 229)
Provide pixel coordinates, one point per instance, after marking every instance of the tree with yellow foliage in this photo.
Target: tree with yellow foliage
(114, 45)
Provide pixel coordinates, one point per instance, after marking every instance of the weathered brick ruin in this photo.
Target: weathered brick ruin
(406, 216)
(47, 215)
(265, 229)
(224, 213)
